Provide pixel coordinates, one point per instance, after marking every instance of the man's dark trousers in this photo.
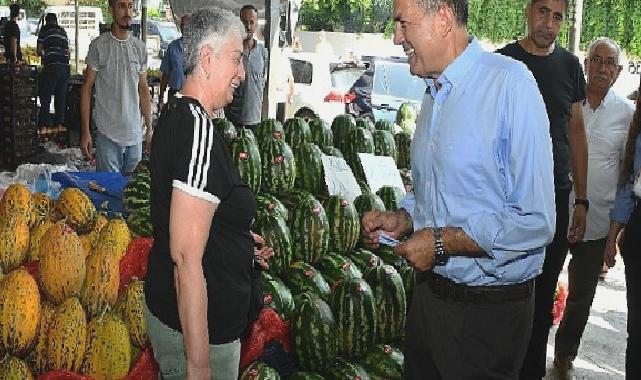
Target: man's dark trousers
(583, 277)
(555, 254)
(53, 82)
(631, 253)
(447, 339)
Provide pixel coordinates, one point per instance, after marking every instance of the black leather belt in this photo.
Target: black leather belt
(445, 288)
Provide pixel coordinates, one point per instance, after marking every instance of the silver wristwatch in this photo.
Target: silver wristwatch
(440, 256)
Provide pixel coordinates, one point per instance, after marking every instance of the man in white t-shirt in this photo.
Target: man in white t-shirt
(607, 118)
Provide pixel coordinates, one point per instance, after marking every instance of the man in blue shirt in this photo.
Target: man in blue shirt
(172, 67)
(482, 210)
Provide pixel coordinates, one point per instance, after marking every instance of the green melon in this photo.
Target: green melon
(275, 232)
(321, 133)
(409, 280)
(367, 202)
(385, 125)
(258, 371)
(309, 169)
(342, 125)
(335, 268)
(278, 166)
(359, 141)
(344, 224)
(277, 296)
(384, 144)
(297, 132)
(269, 204)
(332, 151)
(304, 278)
(389, 257)
(340, 369)
(246, 158)
(226, 130)
(313, 333)
(310, 230)
(391, 305)
(305, 376)
(267, 129)
(384, 362)
(365, 123)
(364, 260)
(391, 196)
(403, 142)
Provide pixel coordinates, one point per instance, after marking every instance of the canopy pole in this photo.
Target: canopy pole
(77, 42)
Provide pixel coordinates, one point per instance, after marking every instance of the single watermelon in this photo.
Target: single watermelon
(391, 197)
(409, 280)
(258, 371)
(365, 123)
(364, 260)
(384, 144)
(389, 257)
(403, 142)
(385, 125)
(321, 133)
(344, 224)
(309, 169)
(304, 278)
(267, 129)
(246, 158)
(342, 125)
(278, 167)
(391, 305)
(367, 202)
(226, 129)
(340, 369)
(297, 132)
(277, 296)
(313, 333)
(332, 151)
(335, 267)
(276, 234)
(305, 376)
(310, 230)
(269, 204)
(360, 141)
(353, 305)
(384, 362)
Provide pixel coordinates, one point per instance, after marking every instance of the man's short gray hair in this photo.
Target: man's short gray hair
(210, 26)
(458, 7)
(604, 40)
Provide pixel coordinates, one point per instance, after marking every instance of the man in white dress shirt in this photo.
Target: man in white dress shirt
(607, 118)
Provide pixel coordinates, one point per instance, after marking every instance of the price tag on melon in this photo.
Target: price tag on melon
(380, 171)
(339, 178)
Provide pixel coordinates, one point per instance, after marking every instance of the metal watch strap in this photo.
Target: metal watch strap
(440, 256)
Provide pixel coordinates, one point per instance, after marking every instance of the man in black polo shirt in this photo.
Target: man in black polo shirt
(560, 78)
(11, 40)
(53, 47)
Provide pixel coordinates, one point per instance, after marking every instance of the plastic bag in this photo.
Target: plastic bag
(145, 367)
(63, 375)
(134, 262)
(560, 297)
(267, 328)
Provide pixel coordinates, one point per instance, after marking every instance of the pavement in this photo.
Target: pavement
(602, 351)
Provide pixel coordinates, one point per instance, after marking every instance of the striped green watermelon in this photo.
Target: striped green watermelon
(384, 362)
(135, 199)
(344, 224)
(387, 255)
(269, 204)
(309, 169)
(304, 278)
(391, 197)
(332, 151)
(340, 369)
(321, 133)
(278, 166)
(267, 129)
(313, 333)
(258, 371)
(246, 132)
(409, 280)
(364, 260)
(246, 158)
(384, 144)
(365, 123)
(226, 130)
(403, 142)
(367, 202)
(353, 305)
(385, 125)
(342, 125)
(305, 376)
(297, 132)
(359, 141)
(335, 267)
(274, 230)
(310, 230)
(363, 185)
(277, 296)
(293, 197)
(391, 305)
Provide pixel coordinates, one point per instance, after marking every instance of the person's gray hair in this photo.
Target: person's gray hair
(210, 26)
(604, 40)
(458, 7)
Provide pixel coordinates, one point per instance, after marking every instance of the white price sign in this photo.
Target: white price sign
(339, 178)
(380, 171)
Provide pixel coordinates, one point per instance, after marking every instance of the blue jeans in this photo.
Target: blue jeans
(53, 82)
(113, 157)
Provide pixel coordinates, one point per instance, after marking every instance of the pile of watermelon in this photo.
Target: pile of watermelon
(346, 306)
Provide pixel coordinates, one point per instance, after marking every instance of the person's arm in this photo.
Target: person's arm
(85, 111)
(39, 49)
(579, 162)
(165, 70)
(189, 223)
(13, 45)
(145, 107)
(526, 220)
(610, 250)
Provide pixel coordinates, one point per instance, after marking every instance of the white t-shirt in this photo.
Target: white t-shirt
(607, 130)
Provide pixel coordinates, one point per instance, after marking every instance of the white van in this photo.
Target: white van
(89, 22)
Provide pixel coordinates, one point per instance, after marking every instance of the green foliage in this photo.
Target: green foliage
(33, 8)
(617, 19)
(345, 15)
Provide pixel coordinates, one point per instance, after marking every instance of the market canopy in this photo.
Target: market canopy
(180, 7)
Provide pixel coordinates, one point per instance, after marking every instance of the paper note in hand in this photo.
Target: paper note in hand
(386, 240)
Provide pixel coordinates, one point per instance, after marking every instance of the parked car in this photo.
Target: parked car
(321, 86)
(164, 31)
(381, 90)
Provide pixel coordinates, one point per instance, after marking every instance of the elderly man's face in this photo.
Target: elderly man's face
(602, 66)
(544, 21)
(249, 17)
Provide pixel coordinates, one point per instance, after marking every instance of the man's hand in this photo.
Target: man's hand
(160, 106)
(85, 145)
(395, 224)
(578, 224)
(610, 252)
(418, 250)
(148, 136)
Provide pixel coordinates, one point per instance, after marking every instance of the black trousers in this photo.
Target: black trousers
(445, 339)
(583, 277)
(555, 254)
(53, 82)
(631, 253)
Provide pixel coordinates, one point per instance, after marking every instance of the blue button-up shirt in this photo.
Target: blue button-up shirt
(625, 201)
(482, 161)
(172, 65)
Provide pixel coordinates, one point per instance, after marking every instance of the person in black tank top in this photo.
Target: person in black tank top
(199, 278)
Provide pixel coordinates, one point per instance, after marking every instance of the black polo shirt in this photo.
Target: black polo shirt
(190, 155)
(11, 29)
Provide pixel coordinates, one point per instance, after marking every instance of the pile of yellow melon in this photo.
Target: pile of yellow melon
(70, 317)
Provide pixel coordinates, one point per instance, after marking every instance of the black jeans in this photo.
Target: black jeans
(53, 82)
(555, 254)
(583, 277)
(447, 339)
(631, 253)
